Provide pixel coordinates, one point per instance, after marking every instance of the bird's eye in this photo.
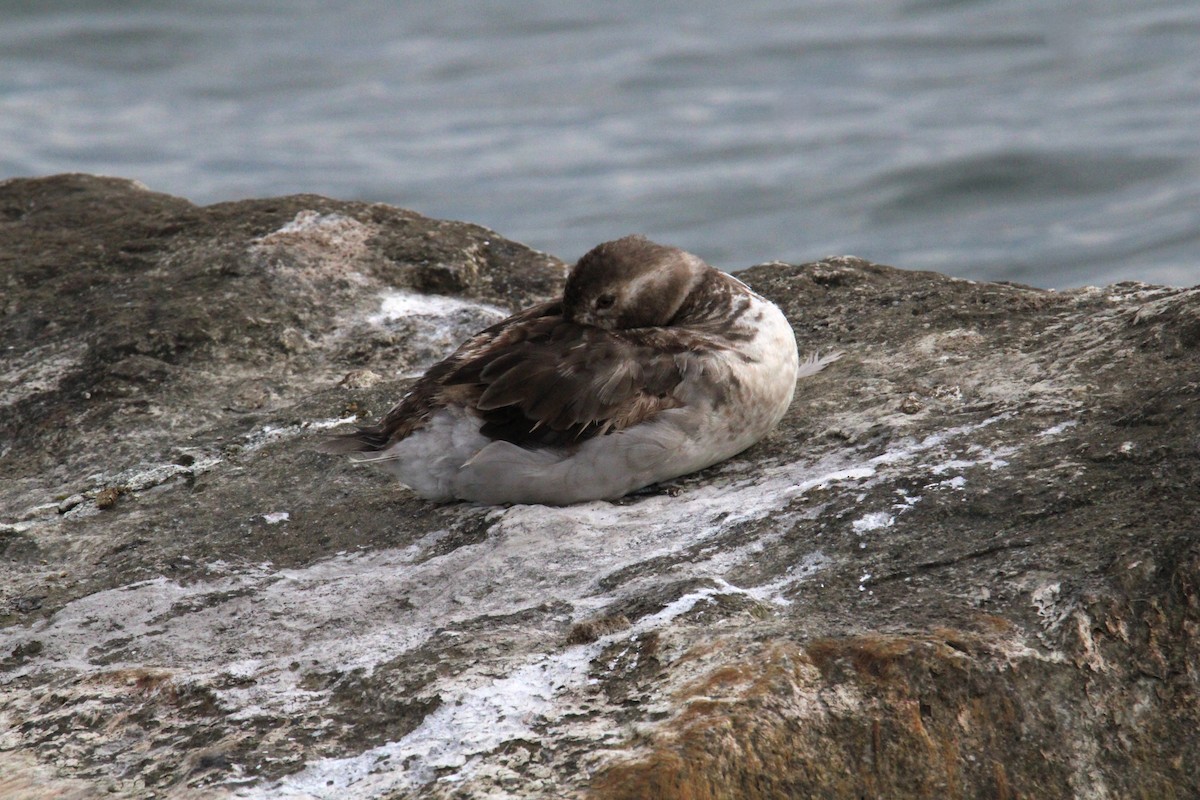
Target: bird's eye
(605, 301)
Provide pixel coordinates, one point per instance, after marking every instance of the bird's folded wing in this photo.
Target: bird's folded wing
(568, 382)
(536, 379)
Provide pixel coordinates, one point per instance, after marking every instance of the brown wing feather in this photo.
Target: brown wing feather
(536, 379)
(571, 382)
(430, 391)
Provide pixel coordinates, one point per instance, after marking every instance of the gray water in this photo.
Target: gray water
(1052, 143)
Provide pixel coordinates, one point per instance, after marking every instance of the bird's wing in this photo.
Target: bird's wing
(536, 379)
(562, 382)
(430, 392)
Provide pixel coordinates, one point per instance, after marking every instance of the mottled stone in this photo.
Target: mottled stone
(965, 565)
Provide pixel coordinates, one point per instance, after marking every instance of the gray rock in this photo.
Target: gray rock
(966, 565)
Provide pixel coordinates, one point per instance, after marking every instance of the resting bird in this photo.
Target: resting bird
(652, 365)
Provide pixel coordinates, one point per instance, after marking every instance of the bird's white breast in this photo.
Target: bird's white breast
(761, 380)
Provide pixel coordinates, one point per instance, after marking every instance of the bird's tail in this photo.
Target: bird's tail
(815, 363)
(371, 439)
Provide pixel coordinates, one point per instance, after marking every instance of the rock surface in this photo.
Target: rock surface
(966, 565)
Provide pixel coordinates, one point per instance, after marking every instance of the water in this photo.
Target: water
(1056, 144)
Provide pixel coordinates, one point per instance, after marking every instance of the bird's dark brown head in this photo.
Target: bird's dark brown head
(631, 283)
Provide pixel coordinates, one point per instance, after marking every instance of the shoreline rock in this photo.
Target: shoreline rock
(966, 564)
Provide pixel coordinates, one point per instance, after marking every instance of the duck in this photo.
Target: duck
(651, 365)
